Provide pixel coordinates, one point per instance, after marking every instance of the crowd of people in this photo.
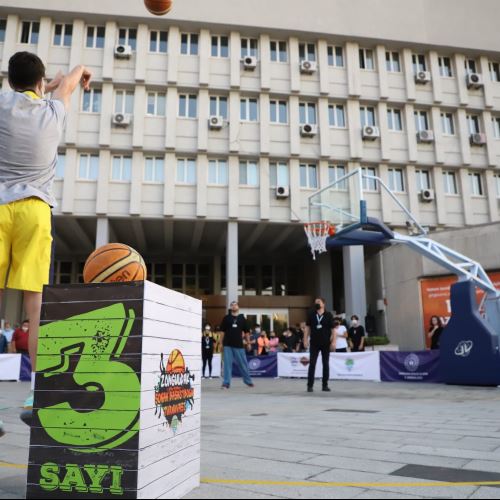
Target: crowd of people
(14, 340)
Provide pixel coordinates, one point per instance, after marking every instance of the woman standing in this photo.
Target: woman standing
(263, 344)
(207, 350)
(435, 331)
(339, 337)
(274, 343)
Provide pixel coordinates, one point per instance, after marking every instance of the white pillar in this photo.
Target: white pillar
(102, 232)
(354, 282)
(232, 262)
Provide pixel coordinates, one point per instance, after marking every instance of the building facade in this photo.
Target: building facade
(206, 131)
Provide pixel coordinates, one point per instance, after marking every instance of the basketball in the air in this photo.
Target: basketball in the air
(114, 263)
(176, 362)
(158, 7)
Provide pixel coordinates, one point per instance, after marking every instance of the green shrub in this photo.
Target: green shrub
(373, 341)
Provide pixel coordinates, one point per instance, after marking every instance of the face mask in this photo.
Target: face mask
(25, 329)
(257, 330)
(207, 328)
(318, 307)
(354, 323)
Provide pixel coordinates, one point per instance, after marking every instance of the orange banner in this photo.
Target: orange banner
(436, 298)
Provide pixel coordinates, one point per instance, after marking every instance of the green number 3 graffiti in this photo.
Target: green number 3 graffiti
(96, 342)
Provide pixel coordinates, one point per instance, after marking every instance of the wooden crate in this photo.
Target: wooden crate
(117, 394)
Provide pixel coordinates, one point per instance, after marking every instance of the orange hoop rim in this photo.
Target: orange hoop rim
(320, 228)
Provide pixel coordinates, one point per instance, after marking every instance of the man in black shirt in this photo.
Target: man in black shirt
(234, 326)
(319, 335)
(357, 335)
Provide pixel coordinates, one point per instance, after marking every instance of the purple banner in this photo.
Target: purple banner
(260, 366)
(25, 375)
(421, 366)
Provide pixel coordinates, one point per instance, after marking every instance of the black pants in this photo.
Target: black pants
(324, 349)
(207, 359)
(341, 350)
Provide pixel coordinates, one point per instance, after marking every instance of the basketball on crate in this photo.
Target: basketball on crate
(114, 263)
(158, 7)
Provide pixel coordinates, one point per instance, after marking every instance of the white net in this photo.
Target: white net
(317, 234)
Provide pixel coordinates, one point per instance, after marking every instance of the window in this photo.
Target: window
(448, 123)
(128, 36)
(63, 273)
(124, 102)
(497, 182)
(60, 166)
(336, 172)
(393, 62)
(91, 102)
(154, 169)
(336, 115)
(29, 32)
(279, 51)
(218, 173)
(249, 110)
(220, 46)
(63, 35)
(189, 44)
(279, 175)
(188, 106)
(369, 184)
(3, 27)
(445, 69)
(471, 65)
(307, 52)
(419, 63)
(158, 42)
(366, 59)
(249, 173)
(335, 56)
(474, 122)
(95, 37)
(157, 103)
(496, 127)
(450, 183)
(249, 47)
(495, 71)
(423, 179)
(396, 180)
(476, 184)
(218, 106)
(394, 120)
(157, 273)
(89, 167)
(121, 170)
(368, 117)
(279, 112)
(421, 121)
(308, 176)
(308, 113)
(186, 171)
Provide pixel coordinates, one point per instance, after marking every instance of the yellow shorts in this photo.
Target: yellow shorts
(25, 244)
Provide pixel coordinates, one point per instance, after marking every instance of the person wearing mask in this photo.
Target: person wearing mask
(274, 343)
(300, 331)
(263, 345)
(248, 344)
(207, 350)
(3, 343)
(357, 335)
(20, 339)
(319, 337)
(435, 331)
(290, 342)
(8, 332)
(339, 337)
(234, 326)
(254, 339)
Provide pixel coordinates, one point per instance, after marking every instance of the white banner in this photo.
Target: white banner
(351, 366)
(355, 366)
(216, 365)
(10, 367)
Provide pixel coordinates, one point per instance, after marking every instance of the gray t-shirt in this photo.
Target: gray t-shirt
(30, 132)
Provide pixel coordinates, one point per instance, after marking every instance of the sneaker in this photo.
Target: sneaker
(310, 389)
(211, 378)
(225, 386)
(250, 385)
(2, 432)
(27, 417)
(28, 404)
(326, 389)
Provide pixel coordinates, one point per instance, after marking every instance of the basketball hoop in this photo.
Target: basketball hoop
(317, 234)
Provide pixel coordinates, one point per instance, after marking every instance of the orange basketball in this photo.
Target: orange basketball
(176, 362)
(114, 263)
(158, 7)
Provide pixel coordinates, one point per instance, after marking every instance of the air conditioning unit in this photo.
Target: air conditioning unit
(475, 81)
(282, 192)
(121, 120)
(425, 136)
(423, 77)
(215, 122)
(308, 67)
(478, 139)
(370, 133)
(123, 52)
(427, 195)
(249, 63)
(308, 130)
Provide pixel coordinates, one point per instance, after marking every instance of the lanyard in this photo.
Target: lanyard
(319, 318)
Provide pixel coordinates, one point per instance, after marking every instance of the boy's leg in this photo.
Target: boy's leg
(228, 366)
(33, 307)
(241, 360)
